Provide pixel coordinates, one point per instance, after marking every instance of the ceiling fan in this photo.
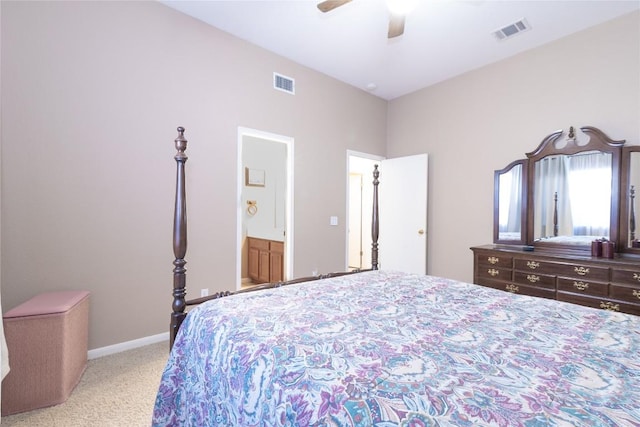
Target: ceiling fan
(396, 18)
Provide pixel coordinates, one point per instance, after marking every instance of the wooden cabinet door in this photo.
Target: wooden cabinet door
(276, 264)
(254, 263)
(276, 261)
(263, 276)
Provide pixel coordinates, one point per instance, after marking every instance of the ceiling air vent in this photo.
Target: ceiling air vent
(512, 29)
(284, 83)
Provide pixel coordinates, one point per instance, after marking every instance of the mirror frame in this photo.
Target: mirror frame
(523, 195)
(624, 201)
(597, 141)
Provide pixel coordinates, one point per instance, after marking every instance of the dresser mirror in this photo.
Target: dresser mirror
(629, 200)
(571, 193)
(572, 198)
(510, 203)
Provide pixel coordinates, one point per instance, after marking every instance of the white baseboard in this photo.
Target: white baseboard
(127, 345)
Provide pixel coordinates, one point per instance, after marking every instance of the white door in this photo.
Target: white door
(403, 214)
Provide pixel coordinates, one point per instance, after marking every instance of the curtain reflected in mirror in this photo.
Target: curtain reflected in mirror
(510, 204)
(509, 208)
(572, 197)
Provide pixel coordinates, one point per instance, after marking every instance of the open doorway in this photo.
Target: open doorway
(265, 207)
(359, 208)
(403, 212)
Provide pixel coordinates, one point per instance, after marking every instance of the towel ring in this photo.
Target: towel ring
(252, 207)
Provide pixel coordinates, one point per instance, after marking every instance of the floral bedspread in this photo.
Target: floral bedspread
(391, 349)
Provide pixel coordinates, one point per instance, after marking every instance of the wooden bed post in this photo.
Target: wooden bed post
(555, 214)
(375, 224)
(632, 215)
(179, 240)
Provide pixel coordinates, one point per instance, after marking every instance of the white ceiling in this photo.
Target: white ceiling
(442, 38)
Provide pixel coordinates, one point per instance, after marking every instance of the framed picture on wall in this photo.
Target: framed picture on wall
(253, 177)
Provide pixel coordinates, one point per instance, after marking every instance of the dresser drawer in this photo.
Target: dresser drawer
(589, 301)
(494, 260)
(625, 293)
(533, 279)
(533, 265)
(496, 284)
(515, 288)
(602, 303)
(587, 272)
(494, 273)
(627, 277)
(579, 286)
(535, 291)
(568, 270)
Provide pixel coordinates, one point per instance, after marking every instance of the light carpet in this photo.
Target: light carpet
(118, 390)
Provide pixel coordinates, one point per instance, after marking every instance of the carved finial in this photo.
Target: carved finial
(572, 134)
(181, 144)
(376, 174)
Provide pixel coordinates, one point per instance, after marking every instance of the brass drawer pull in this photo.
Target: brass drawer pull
(581, 271)
(512, 288)
(533, 278)
(636, 276)
(493, 260)
(581, 286)
(636, 293)
(493, 272)
(609, 306)
(533, 265)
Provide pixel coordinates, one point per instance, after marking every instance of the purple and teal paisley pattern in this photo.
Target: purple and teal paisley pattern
(391, 349)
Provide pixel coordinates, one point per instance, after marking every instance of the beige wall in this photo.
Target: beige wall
(91, 95)
(478, 122)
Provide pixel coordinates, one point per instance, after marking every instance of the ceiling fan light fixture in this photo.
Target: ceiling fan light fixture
(401, 7)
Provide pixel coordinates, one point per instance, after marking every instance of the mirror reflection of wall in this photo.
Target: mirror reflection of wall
(572, 196)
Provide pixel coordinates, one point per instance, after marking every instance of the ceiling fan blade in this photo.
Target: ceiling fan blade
(329, 5)
(396, 26)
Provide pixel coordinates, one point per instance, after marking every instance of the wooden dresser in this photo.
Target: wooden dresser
(611, 284)
(265, 260)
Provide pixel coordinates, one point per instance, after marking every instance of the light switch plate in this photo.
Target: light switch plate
(333, 220)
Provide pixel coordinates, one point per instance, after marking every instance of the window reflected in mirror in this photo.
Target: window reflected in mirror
(572, 197)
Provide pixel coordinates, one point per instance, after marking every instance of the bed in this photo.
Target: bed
(386, 348)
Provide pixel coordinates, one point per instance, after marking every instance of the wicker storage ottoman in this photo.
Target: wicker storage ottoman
(47, 341)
